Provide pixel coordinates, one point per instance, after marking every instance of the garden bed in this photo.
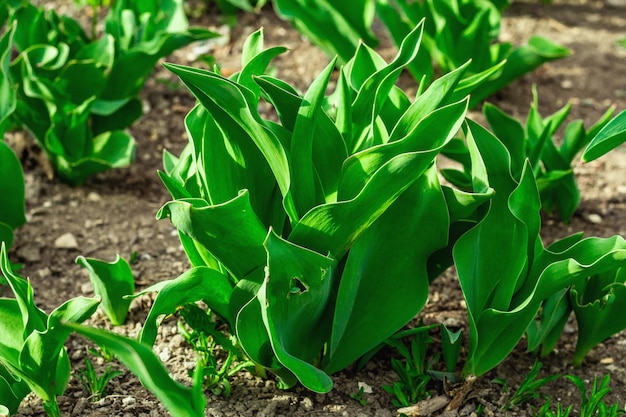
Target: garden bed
(114, 212)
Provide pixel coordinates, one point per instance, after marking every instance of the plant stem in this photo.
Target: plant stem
(52, 407)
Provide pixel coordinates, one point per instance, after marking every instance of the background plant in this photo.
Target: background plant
(12, 210)
(455, 31)
(552, 160)
(77, 95)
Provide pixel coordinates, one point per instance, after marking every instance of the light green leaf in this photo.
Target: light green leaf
(239, 248)
(7, 85)
(12, 186)
(111, 281)
(197, 284)
(610, 137)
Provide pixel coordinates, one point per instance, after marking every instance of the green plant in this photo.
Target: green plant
(76, 95)
(503, 297)
(610, 137)
(412, 370)
(112, 282)
(416, 369)
(455, 32)
(360, 396)
(592, 405)
(11, 175)
(96, 385)
(459, 30)
(327, 204)
(32, 356)
(204, 338)
(335, 27)
(528, 389)
(552, 163)
(11, 185)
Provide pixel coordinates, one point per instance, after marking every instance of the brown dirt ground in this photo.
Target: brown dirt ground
(115, 213)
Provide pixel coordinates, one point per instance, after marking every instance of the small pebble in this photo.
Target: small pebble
(29, 253)
(93, 196)
(66, 241)
(594, 218)
(165, 354)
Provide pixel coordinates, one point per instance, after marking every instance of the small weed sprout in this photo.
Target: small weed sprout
(412, 370)
(96, 385)
(529, 388)
(204, 338)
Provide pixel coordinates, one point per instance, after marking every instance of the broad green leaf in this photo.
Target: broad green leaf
(304, 188)
(113, 149)
(609, 137)
(333, 26)
(43, 359)
(12, 391)
(510, 132)
(283, 97)
(252, 46)
(587, 258)
(402, 246)
(227, 161)
(179, 400)
(599, 314)
(399, 24)
(11, 186)
(197, 284)
(545, 331)
(427, 136)
(12, 330)
(132, 68)
(111, 115)
(7, 85)
(111, 281)
(33, 318)
(512, 221)
(231, 231)
(294, 305)
(257, 66)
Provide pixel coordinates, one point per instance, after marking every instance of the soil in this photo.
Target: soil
(114, 212)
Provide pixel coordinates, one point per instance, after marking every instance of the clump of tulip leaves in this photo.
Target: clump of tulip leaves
(293, 227)
(455, 31)
(76, 94)
(296, 228)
